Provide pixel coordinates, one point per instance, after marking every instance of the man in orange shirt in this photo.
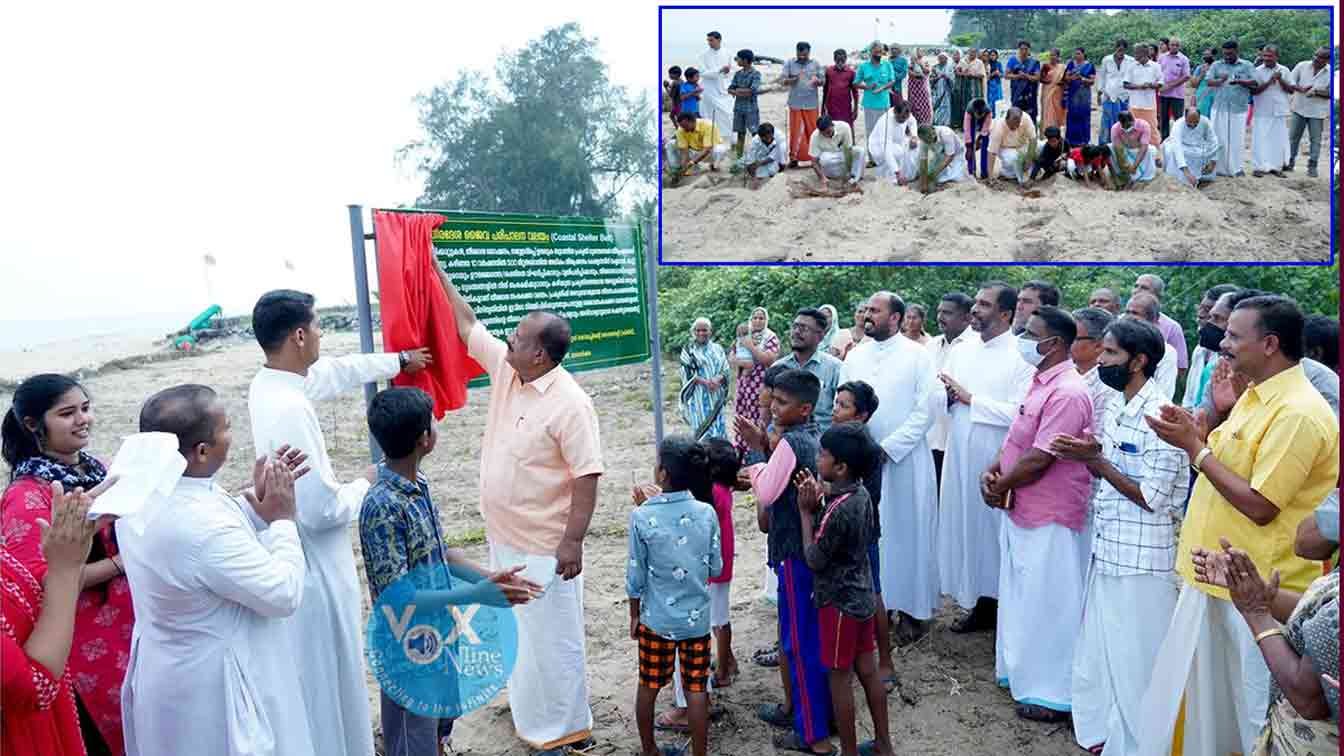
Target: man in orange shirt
(540, 461)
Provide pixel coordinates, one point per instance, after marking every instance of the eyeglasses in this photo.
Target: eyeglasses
(804, 327)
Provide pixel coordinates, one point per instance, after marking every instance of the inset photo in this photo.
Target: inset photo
(978, 135)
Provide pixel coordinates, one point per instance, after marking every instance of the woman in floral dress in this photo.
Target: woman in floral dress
(757, 349)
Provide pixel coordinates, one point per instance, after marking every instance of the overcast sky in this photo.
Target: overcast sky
(776, 33)
(138, 138)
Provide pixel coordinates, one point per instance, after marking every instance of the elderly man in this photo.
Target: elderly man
(985, 381)
(540, 461)
(893, 144)
(1111, 86)
(697, 140)
(833, 153)
(1172, 332)
(901, 373)
(1043, 543)
(1262, 471)
(1269, 125)
(942, 154)
(1133, 141)
(1086, 355)
(1007, 141)
(1231, 79)
(1190, 154)
(809, 325)
(716, 69)
(1311, 106)
(1146, 307)
(1104, 299)
(1144, 80)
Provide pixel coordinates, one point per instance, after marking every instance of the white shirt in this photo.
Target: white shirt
(1126, 539)
(1306, 75)
(211, 672)
(1273, 101)
(1201, 142)
(1111, 79)
(1166, 372)
(1143, 73)
(940, 348)
(1102, 395)
(327, 633)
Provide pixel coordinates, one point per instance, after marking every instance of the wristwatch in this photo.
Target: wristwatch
(404, 358)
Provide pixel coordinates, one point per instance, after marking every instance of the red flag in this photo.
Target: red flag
(415, 308)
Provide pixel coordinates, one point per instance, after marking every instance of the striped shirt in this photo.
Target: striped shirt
(1128, 540)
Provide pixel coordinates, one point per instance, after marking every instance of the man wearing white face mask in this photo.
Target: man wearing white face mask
(1043, 544)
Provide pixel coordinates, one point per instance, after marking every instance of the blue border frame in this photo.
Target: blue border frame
(1334, 133)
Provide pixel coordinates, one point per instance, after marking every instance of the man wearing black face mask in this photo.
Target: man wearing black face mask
(1131, 594)
(1206, 350)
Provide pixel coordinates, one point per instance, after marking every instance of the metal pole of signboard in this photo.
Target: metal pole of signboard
(655, 339)
(362, 305)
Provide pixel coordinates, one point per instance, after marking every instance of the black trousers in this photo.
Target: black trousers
(1169, 109)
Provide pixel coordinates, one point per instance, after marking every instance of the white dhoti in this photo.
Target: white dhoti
(832, 164)
(1210, 656)
(1146, 169)
(548, 691)
(1124, 622)
(1008, 168)
(716, 153)
(1230, 128)
(1041, 589)
(1269, 143)
(889, 146)
(1195, 162)
(955, 171)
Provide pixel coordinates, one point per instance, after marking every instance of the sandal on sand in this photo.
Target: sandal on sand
(775, 714)
(1041, 714)
(767, 657)
(889, 684)
(789, 741)
(664, 723)
(1096, 749)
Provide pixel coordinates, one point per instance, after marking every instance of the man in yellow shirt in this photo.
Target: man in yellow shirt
(1261, 472)
(697, 140)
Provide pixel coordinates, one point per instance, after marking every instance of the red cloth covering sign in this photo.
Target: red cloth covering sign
(415, 308)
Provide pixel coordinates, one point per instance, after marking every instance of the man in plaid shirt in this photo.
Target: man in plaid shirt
(1132, 583)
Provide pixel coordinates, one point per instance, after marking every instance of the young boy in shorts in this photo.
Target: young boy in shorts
(836, 533)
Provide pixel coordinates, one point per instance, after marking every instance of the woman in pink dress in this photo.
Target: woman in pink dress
(921, 105)
(45, 433)
(756, 350)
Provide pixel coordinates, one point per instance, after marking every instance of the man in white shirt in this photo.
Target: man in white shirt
(833, 152)
(954, 321)
(1143, 80)
(985, 379)
(327, 630)
(894, 143)
(211, 671)
(1144, 306)
(944, 152)
(1311, 106)
(901, 373)
(1111, 88)
(716, 70)
(1269, 125)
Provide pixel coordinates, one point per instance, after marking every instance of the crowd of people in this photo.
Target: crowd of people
(1030, 117)
(1134, 550)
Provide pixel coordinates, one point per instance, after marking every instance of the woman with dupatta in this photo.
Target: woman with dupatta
(1052, 93)
(921, 106)
(757, 349)
(704, 383)
(1080, 75)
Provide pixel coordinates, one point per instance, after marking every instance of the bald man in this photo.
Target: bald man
(1144, 306)
(1172, 332)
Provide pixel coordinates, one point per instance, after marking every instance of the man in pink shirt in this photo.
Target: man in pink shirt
(540, 461)
(1171, 98)
(1133, 140)
(1044, 547)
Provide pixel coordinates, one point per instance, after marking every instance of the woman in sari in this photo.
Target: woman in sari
(832, 327)
(900, 67)
(960, 87)
(920, 104)
(40, 717)
(1303, 716)
(1080, 75)
(757, 349)
(942, 80)
(1203, 92)
(993, 80)
(704, 383)
(975, 76)
(1052, 93)
(45, 433)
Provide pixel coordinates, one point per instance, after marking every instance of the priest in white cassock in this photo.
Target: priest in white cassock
(211, 673)
(954, 321)
(985, 380)
(326, 632)
(901, 373)
(716, 70)
(894, 143)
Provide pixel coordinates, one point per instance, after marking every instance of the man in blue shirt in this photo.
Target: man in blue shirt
(1231, 80)
(809, 325)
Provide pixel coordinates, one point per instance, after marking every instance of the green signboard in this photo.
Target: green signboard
(588, 270)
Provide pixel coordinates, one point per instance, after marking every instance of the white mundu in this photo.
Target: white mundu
(968, 531)
(901, 373)
(211, 671)
(327, 631)
(889, 146)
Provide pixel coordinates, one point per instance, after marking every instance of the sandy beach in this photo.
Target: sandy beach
(956, 709)
(714, 218)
